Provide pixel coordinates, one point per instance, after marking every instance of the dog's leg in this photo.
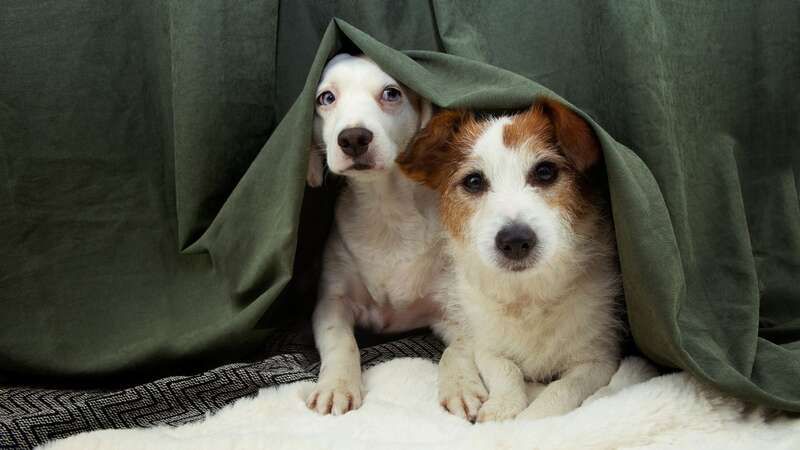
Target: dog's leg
(506, 383)
(339, 387)
(461, 391)
(569, 391)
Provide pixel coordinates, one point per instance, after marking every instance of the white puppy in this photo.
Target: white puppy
(535, 274)
(384, 260)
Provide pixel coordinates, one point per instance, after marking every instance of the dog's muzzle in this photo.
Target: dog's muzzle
(515, 242)
(354, 142)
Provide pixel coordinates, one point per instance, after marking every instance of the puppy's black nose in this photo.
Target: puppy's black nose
(355, 141)
(515, 241)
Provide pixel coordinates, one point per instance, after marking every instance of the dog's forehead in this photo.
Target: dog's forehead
(348, 71)
(511, 140)
(492, 146)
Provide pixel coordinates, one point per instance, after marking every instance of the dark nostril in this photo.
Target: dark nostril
(354, 141)
(515, 241)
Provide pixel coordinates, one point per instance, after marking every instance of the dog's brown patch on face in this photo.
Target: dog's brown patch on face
(434, 157)
(457, 204)
(455, 210)
(557, 134)
(549, 129)
(431, 155)
(567, 193)
(532, 124)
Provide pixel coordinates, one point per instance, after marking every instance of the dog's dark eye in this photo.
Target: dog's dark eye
(474, 183)
(545, 173)
(326, 98)
(391, 94)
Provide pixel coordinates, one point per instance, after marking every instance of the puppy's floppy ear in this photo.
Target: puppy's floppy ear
(430, 155)
(316, 157)
(574, 135)
(316, 167)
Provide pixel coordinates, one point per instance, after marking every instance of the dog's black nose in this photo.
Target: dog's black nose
(515, 241)
(355, 141)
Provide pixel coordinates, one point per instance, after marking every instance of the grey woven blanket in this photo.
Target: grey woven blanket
(32, 416)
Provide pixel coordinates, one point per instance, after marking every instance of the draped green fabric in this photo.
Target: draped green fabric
(153, 158)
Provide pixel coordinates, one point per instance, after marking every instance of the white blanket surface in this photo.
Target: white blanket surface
(637, 411)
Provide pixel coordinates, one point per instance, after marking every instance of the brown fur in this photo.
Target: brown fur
(549, 121)
(431, 157)
(527, 125)
(455, 210)
(572, 133)
(437, 152)
(434, 156)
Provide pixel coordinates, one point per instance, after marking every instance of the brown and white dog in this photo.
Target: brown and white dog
(384, 263)
(534, 270)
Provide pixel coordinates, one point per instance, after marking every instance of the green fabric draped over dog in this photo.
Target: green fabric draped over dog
(145, 229)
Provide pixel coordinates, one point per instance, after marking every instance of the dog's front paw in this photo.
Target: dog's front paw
(497, 409)
(335, 397)
(462, 396)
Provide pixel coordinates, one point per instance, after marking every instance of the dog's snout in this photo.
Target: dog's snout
(355, 141)
(515, 241)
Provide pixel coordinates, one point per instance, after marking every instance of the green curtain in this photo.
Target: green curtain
(147, 226)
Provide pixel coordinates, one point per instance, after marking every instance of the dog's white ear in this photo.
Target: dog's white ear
(425, 112)
(316, 156)
(316, 167)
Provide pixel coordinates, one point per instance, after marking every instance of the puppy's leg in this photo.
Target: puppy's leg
(339, 387)
(568, 392)
(461, 390)
(506, 383)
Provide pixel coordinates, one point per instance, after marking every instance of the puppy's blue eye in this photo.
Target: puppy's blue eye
(326, 98)
(474, 183)
(391, 94)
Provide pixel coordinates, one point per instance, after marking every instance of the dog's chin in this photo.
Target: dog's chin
(357, 168)
(515, 266)
(361, 167)
(365, 169)
(504, 265)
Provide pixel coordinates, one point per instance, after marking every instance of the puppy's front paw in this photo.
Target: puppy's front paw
(462, 396)
(336, 396)
(499, 408)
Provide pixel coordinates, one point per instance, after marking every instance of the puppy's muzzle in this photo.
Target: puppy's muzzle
(515, 241)
(354, 141)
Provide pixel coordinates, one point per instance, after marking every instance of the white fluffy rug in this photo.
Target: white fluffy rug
(400, 411)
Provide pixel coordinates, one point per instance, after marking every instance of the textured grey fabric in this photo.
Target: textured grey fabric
(33, 416)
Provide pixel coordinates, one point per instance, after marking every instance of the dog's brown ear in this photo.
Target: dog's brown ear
(430, 155)
(574, 135)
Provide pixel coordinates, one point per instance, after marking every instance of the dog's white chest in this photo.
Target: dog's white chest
(398, 252)
(400, 274)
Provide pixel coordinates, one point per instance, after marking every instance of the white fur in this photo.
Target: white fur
(510, 199)
(384, 260)
(554, 318)
(401, 411)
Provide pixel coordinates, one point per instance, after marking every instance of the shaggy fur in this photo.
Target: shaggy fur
(401, 412)
(545, 311)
